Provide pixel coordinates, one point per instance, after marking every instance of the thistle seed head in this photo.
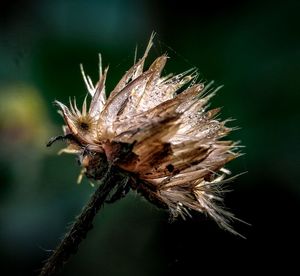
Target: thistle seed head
(169, 142)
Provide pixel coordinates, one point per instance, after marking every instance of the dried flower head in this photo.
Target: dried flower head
(166, 140)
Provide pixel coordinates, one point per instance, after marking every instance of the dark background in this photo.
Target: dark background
(252, 47)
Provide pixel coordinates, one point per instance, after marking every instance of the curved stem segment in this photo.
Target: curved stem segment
(83, 223)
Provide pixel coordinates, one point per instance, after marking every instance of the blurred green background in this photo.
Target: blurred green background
(252, 47)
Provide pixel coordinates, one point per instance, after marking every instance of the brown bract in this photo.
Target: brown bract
(167, 141)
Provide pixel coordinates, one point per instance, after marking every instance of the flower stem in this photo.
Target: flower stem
(83, 223)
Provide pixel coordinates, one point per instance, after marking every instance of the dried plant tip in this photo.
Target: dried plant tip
(170, 145)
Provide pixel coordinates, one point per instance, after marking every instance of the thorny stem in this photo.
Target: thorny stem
(83, 223)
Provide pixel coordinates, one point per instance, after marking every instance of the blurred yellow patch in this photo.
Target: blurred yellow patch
(23, 116)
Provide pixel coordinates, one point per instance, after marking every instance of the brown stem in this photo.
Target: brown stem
(83, 223)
